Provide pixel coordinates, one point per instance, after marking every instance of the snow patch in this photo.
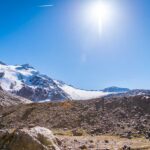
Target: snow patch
(77, 94)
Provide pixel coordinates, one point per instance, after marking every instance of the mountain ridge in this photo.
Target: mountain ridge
(24, 80)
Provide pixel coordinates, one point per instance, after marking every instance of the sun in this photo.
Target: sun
(100, 13)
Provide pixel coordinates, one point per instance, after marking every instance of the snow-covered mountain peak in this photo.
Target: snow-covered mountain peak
(1, 63)
(24, 80)
(26, 66)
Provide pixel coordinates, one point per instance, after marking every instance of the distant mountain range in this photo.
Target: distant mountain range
(24, 80)
(116, 89)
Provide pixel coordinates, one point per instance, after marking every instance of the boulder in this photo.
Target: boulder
(36, 138)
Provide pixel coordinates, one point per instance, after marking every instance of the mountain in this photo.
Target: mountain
(24, 80)
(2, 63)
(116, 89)
(7, 99)
(134, 92)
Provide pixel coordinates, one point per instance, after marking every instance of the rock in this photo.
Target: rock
(91, 146)
(83, 147)
(106, 141)
(59, 142)
(77, 132)
(37, 138)
(147, 135)
(126, 135)
(125, 147)
(2, 74)
(1, 88)
(91, 141)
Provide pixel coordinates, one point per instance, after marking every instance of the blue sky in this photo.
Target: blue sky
(61, 41)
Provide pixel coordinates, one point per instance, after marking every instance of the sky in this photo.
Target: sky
(67, 40)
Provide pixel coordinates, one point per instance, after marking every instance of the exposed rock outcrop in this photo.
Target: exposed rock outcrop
(37, 138)
(7, 99)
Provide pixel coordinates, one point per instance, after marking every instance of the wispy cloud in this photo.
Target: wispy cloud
(46, 6)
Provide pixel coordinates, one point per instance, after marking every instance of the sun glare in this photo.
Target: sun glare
(100, 10)
(100, 13)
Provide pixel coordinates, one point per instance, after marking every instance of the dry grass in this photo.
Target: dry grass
(66, 132)
(66, 105)
(60, 132)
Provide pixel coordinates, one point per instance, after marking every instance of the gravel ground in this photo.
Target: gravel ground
(103, 143)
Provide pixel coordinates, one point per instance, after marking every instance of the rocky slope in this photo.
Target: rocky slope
(7, 99)
(124, 116)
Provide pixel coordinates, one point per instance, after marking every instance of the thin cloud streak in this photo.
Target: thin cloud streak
(46, 5)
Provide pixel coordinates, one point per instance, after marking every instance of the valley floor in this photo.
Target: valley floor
(102, 143)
